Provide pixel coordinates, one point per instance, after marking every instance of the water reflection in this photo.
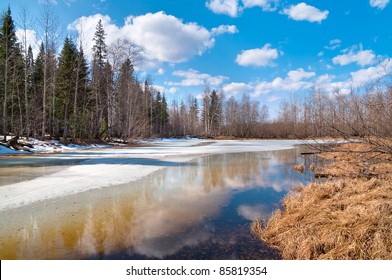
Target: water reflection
(198, 210)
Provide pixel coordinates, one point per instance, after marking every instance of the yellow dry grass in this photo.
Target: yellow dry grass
(299, 168)
(348, 217)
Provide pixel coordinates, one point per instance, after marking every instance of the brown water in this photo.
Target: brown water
(199, 210)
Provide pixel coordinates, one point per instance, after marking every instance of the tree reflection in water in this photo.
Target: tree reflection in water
(198, 210)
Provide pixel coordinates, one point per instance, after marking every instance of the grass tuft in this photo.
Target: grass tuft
(299, 168)
(347, 217)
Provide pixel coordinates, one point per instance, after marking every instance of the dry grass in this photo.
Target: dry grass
(345, 218)
(299, 168)
(312, 167)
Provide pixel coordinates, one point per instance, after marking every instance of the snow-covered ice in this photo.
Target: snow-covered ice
(114, 166)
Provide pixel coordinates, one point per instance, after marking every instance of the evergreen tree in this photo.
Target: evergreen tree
(66, 80)
(123, 101)
(156, 112)
(28, 63)
(9, 54)
(99, 87)
(147, 107)
(99, 47)
(215, 112)
(193, 115)
(205, 115)
(38, 87)
(106, 129)
(164, 116)
(80, 107)
(29, 60)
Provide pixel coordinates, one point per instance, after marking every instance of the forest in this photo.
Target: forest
(60, 95)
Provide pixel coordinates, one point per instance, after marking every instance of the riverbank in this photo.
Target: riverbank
(348, 216)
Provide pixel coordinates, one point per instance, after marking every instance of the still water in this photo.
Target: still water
(201, 209)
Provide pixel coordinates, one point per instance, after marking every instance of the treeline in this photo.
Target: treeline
(61, 95)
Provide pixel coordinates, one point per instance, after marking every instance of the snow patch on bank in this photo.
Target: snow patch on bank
(8, 151)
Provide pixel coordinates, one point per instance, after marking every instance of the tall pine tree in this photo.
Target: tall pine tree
(9, 52)
(66, 79)
(98, 79)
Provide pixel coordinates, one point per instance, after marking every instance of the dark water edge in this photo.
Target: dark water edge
(199, 210)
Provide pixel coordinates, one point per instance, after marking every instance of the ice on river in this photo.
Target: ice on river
(109, 166)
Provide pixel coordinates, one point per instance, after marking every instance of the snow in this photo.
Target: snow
(7, 151)
(109, 166)
(55, 146)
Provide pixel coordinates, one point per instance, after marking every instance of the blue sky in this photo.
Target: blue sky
(270, 49)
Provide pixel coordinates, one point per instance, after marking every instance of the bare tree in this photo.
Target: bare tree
(49, 25)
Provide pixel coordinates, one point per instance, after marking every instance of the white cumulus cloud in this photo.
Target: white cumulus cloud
(379, 4)
(163, 37)
(234, 8)
(296, 80)
(167, 38)
(372, 73)
(266, 5)
(356, 79)
(224, 29)
(302, 11)
(257, 57)
(226, 7)
(193, 77)
(361, 57)
(30, 36)
(237, 89)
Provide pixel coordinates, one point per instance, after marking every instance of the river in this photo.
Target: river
(198, 209)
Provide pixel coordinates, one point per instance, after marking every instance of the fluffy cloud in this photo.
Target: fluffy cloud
(193, 77)
(237, 89)
(257, 57)
(324, 79)
(266, 5)
(234, 8)
(380, 4)
(226, 7)
(31, 39)
(356, 79)
(361, 58)
(224, 29)
(165, 90)
(333, 44)
(163, 37)
(372, 73)
(302, 11)
(167, 38)
(300, 79)
(294, 81)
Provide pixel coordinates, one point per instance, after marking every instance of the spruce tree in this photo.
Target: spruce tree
(66, 80)
(99, 48)
(38, 88)
(98, 79)
(9, 52)
(215, 112)
(81, 90)
(164, 115)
